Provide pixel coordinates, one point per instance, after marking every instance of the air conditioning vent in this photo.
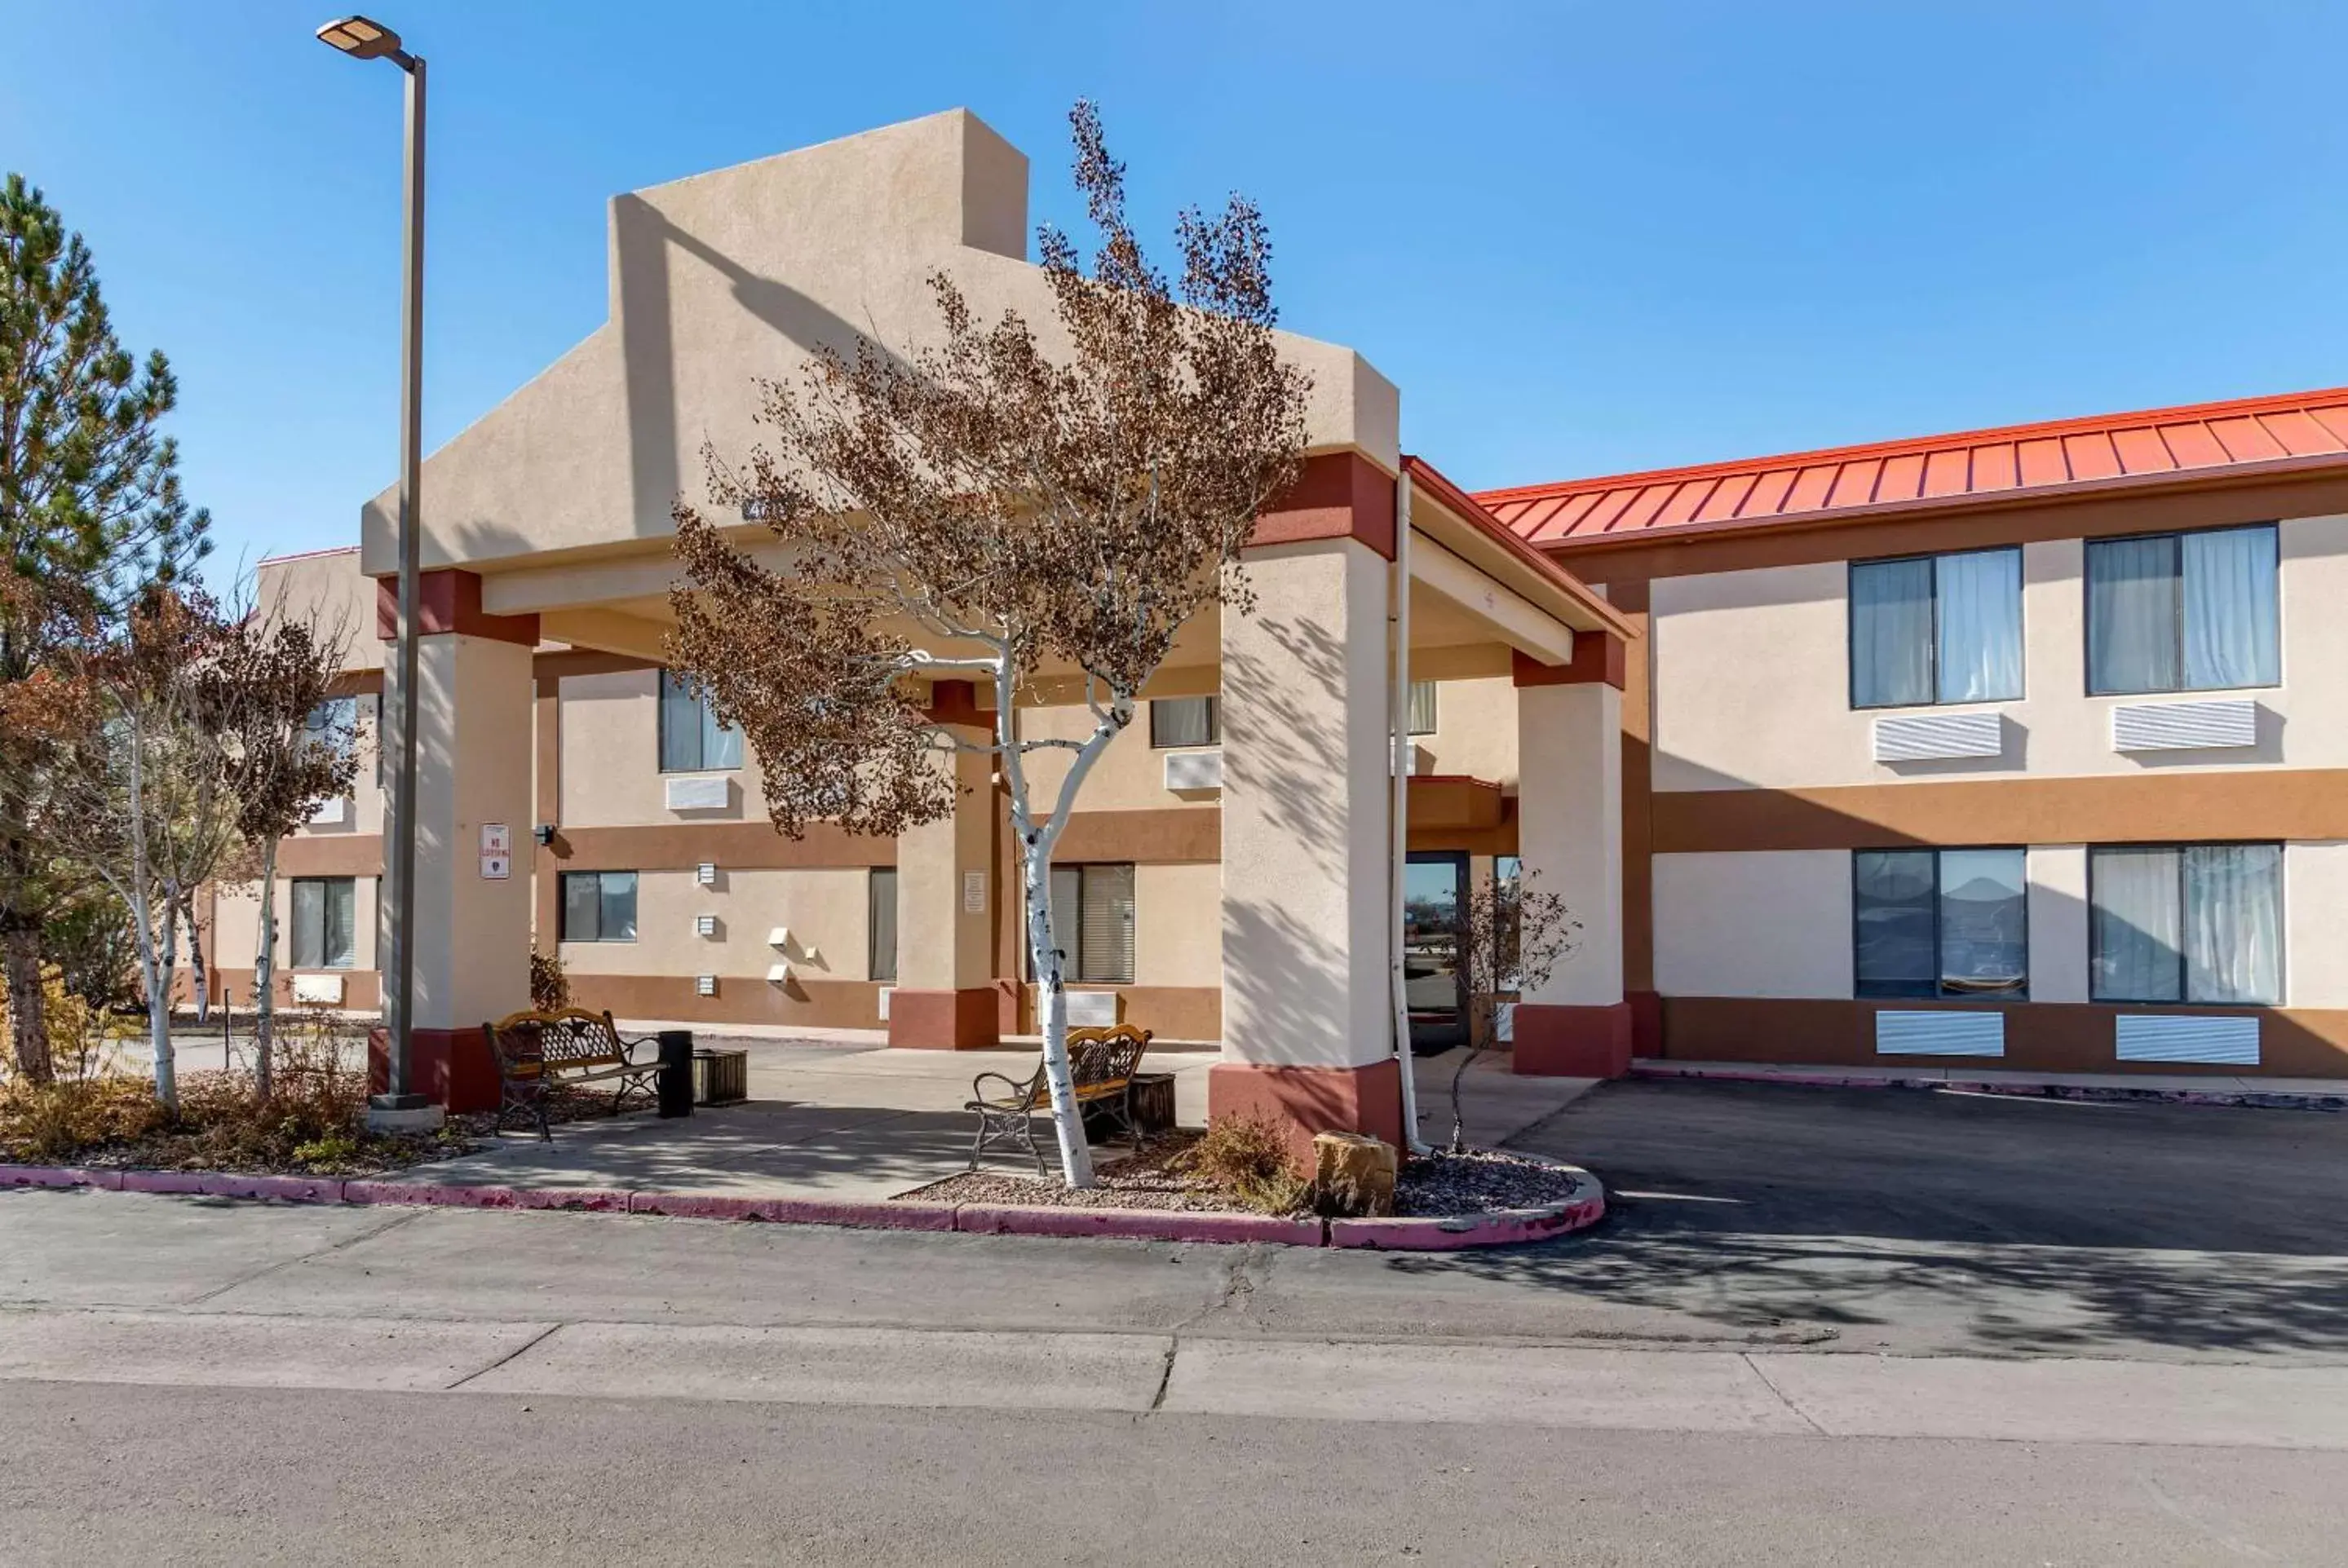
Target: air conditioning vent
(1092, 1009)
(1926, 737)
(1194, 770)
(2183, 1037)
(1940, 1033)
(698, 792)
(2185, 726)
(330, 812)
(319, 988)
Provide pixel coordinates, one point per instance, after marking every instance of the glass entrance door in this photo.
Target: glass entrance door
(1434, 895)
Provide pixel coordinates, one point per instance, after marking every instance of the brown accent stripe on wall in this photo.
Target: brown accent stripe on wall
(749, 998)
(331, 854)
(2290, 803)
(2040, 1036)
(1160, 836)
(737, 846)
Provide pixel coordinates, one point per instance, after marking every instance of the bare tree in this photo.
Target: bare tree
(990, 509)
(135, 784)
(288, 750)
(1511, 935)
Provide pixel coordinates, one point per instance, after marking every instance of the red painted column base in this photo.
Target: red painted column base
(1303, 1101)
(1646, 1023)
(451, 1066)
(965, 1020)
(1574, 1042)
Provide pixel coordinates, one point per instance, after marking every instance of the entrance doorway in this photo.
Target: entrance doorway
(1434, 895)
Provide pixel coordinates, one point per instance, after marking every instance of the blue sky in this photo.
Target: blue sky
(1582, 238)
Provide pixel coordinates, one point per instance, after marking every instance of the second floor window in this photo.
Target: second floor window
(1936, 628)
(2186, 923)
(325, 925)
(598, 906)
(1185, 722)
(691, 737)
(1940, 923)
(2183, 612)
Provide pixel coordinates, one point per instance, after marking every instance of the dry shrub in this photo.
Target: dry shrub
(1247, 1157)
(42, 1123)
(549, 982)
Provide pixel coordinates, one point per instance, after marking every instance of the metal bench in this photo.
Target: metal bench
(536, 1050)
(1101, 1065)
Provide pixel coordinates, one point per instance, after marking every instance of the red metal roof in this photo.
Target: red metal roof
(2292, 431)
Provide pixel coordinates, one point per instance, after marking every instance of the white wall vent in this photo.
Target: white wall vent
(1925, 737)
(704, 925)
(697, 792)
(1940, 1032)
(1092, 1009)
(332, 812)
(778, 937)
(2185, 726)
(1194, 770)
(705, 985)
(779, 974)
(2186, 1037)
(706, 874)
(326, 989)
(885, 992)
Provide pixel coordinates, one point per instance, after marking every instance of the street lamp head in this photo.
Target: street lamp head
(361, 38)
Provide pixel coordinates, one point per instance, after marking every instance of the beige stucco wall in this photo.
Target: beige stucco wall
(2056, 912)
(236, 925)
(610, 758)
(1130, 776)
(1474, 730)
(327, 587)
(726, 277)
(825, 910)
(1752, 677)
(1569, 830)
(1178, 925)
(2315, 912)
(1770, 924)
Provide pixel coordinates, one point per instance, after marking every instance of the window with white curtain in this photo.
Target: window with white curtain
(693, 739)
(1092, 921)
(1421, 718)
(2186, 923)
(325, 925)
(882, 922)
(1184, 721)
(2184, 612)
(1927, 629)
(1940, 923)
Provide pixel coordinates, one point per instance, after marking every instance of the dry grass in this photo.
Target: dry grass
(1247, 1157)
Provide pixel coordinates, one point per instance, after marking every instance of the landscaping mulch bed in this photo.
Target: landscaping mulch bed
(1482, 1181)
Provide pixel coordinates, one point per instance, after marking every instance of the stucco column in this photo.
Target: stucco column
(945, 997)
(1569, 833)
(1307, 1030)
(474, 756)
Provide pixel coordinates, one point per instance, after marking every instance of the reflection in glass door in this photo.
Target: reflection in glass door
(1434, 892)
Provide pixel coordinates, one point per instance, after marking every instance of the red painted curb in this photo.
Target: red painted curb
(59, 1176)
(166, 1180)
(435, 1194)
(285, 1189)
(1134, 1225)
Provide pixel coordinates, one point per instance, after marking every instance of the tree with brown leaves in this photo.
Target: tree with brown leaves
(1510, 936)
(288, 750)
(989, 509)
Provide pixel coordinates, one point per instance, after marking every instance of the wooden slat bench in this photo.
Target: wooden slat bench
(1101, 1065)
(536, 1050)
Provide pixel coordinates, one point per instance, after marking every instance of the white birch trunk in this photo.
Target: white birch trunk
(140, 896)
(264, 1002)
(196, 961)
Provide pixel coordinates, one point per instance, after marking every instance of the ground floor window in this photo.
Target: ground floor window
(2186, 923)
(882, 922)
(325, 919)
(1422, 715)
(1940, 923)
(1092, 919)
(1185, 722)
(598, 906)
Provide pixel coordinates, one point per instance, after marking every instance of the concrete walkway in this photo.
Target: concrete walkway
(845, 1120)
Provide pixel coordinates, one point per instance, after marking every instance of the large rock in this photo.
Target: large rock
(1353, 1175)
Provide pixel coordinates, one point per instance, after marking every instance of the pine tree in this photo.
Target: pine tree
(91, 512)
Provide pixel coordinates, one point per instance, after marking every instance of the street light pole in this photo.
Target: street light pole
(367, 40)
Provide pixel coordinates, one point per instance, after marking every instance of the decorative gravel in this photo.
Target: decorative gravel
(1482, 1181)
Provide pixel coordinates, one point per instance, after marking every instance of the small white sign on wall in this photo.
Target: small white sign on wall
(496, 867)
(973, 892)
(497, 838)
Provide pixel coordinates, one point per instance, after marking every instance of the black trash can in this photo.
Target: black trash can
(675, 1071)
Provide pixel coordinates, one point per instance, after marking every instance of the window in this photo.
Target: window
(1936, 628)
(2183, 612)
(1421, 717)
(692, 739)
(1508, 889)
(882, 923)
(1185, 722)
(2186, 923)
(1092, 919)
(325, 911)
(1940, 923)
(598, 906)
(335, 724)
